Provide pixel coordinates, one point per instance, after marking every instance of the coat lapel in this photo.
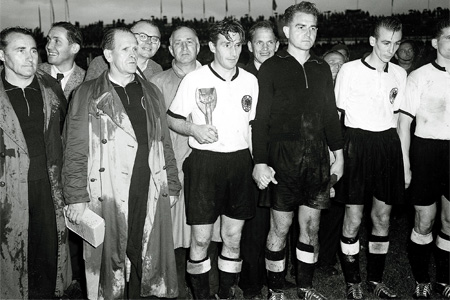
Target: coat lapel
(9, 121)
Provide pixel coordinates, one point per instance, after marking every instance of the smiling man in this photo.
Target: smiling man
(119, 162)
(296, 121)
(149, 41)
(213, 106)
(64, 41)
(370, 91)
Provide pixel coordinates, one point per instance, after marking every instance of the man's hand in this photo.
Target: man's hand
(75, 212)
(408, 175)
(205, 134)
(338, 166)
(173, 200)
(263, 175)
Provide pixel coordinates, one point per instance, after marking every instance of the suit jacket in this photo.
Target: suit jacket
(75, 79)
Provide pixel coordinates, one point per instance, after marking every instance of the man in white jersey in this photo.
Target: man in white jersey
(213, 106)
(426, 161)
(370, 91)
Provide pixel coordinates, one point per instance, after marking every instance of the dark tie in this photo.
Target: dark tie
(59, 77)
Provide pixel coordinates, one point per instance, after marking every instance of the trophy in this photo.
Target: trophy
(206, 100)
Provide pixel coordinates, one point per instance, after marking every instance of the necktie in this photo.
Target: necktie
(59, 78)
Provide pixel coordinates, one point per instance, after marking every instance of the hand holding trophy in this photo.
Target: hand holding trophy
(206, 100)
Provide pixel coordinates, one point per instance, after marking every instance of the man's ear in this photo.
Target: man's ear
(250, 47)
(171, 50)
(2, 55)
(212, 47)
(277, 44)
(286, 31)
(372, 41)
(108, 55)
(434, 43)
(75, 48)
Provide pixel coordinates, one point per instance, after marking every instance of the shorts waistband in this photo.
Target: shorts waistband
(219, 154)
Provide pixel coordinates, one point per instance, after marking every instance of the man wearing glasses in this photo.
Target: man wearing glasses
(149, 41)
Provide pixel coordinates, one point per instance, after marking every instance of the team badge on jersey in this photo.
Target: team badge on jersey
(393, 94)
(246, 103)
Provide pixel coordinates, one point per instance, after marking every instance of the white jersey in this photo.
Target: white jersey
(370, 99)
(235, 107)
(428, 99)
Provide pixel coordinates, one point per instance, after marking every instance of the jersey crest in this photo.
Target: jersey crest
(246, 103)
(393, 94)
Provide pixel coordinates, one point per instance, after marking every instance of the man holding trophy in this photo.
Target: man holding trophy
(213, 106)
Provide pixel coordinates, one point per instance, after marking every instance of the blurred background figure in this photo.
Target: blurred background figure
(406, 56)
(335, 59)
(343, 49)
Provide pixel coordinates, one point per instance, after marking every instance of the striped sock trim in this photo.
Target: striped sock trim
(378, 244)
(275, 266)
(305, 253)
(198, 267)
(229, 265)
(421, 239)
(443, 241)
(349, 246)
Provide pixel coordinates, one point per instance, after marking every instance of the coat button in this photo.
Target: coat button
(93, 179)
(165, 195)
(104, 141)
(2, 184)
(100, 199)
(101, 170)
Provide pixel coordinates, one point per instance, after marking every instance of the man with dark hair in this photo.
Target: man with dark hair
(149, 41)
(217, 178)
(369, 92)
(296, 121)
(263, 43)
(64, 41)
(426, 161)
(34, 261)
(119, 162)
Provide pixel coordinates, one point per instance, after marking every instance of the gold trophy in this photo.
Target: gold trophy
(206, 100)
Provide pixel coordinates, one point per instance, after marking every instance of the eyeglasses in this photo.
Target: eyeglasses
(144, 37)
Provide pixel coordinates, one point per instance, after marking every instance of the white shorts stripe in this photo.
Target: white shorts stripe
(275, 265)
(443, 244)
(350, 249)
(198, 268)
(229, 266)
(421, 239)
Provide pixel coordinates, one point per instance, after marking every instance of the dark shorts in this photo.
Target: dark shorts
(373, 167)
(218, 184)
(430, 170)
(303, 174)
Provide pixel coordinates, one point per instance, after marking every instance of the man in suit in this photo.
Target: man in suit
(149, 40)
(64, 41)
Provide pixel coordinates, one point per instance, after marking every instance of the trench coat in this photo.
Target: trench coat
(100, 149)
(14, 165)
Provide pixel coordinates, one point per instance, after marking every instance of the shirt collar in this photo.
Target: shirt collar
(435, 64)
(8, 86)
(386, 67)
(115, 84)
(54, 71)
(220, 77)
(283, 53)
